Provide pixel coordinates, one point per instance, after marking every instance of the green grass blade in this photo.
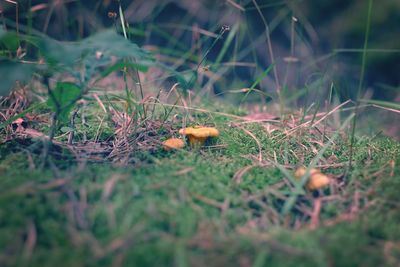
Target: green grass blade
(386, 104)
(228, 41)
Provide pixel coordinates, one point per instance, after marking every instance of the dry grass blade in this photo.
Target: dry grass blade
(109, 186)
(236, 5)
(237, 177)
(269, 44)
(100, 103)
(260, 158)
(386, 108)
(315, 214)
(331, 112)
(208, 201)
(56, 183)
(273, 244)
(30, 240)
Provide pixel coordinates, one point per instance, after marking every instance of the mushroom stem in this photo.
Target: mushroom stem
(196, 141)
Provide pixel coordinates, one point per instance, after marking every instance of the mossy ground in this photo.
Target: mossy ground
(203, 207)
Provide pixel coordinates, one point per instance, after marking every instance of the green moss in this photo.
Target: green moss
(184, 208)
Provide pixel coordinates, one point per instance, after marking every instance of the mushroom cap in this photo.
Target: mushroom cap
(173, 143)
(200, 132)
(301, 171)
(317, 181)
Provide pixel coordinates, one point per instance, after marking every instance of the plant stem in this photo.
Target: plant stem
(221, 33)
(271, 55)
(360, 84)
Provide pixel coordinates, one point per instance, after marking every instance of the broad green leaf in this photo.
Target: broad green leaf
(92, 55)
(63, 99)
(112, 44)
(11, 72)
(120, 65)
(94, 52)
(66, 56)
(66, 129)
(9, 40)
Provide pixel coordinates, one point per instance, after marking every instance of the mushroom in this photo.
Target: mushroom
(173, 143)
(301, 171)
(198, 135)
(317, 179)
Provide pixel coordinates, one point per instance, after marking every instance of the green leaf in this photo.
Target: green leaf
(11, 72)
(66, 129)
(111, 43)
(257, 81)
(228, 41)
(121, 65)
(94, 52)
(9, 40)
(63, 99)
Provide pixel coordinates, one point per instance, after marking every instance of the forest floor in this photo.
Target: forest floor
(114, 197)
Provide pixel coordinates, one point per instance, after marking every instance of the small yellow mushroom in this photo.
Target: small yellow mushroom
(173, 143)
(301, 171)
(316, 180)
(198, 135)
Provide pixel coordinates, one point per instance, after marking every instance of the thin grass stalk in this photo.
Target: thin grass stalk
(221, 33)
(360, 84)
(124, 30)
(271, 54)
(292, 46)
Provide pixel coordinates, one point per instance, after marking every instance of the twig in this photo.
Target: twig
(72, 125)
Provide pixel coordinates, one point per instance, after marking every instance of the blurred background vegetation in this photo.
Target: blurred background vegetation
(76, 57)
(325, 39)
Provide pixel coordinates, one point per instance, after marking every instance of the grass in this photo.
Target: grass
(215, 206)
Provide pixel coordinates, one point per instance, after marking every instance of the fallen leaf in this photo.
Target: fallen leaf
(263, 116)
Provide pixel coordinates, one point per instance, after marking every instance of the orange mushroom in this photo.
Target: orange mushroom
(316, 180)
(301, 171)
(198, 135)
(173, 143)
